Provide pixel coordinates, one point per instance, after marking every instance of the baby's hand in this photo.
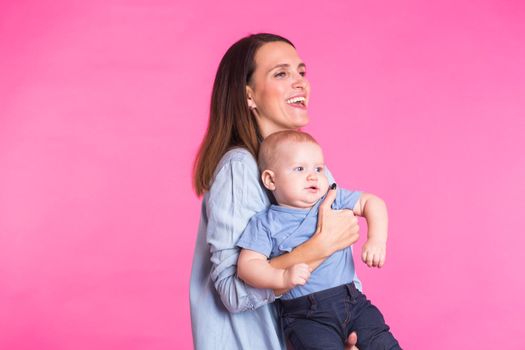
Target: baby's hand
(374, 253)
(296, 275)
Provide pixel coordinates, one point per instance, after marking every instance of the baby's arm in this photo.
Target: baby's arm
(374, 210)
(255, 270)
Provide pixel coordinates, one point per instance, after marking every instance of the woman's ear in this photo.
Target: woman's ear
(249, 94)
(268, 180)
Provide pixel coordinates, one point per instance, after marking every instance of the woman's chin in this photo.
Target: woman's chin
(297, 116)
(301, 121)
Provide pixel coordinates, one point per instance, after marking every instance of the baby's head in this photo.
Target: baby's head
(292, 167)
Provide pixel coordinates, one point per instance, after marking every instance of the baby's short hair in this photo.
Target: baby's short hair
(268, 149)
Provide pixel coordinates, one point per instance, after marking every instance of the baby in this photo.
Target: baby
(322, 307)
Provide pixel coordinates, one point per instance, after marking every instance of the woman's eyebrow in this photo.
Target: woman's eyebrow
(286, 65)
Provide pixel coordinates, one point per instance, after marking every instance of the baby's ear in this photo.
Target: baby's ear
(267, 177)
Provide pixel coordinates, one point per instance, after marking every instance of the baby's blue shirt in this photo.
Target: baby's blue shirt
(277, 230)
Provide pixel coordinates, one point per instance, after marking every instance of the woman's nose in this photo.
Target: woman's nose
(299, 82)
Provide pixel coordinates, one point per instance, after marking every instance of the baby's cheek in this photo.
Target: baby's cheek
(324, 184)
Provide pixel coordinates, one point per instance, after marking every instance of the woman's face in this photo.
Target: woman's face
(278, 91)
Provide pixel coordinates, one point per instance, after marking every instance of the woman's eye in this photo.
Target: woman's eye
(302, 73)
(299, 168)
(280, 75)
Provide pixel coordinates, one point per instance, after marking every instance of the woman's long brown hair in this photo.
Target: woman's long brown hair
(231, 124)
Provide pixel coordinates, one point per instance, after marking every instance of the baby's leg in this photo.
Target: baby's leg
(368, 322)
(317, 320)
(306, 334)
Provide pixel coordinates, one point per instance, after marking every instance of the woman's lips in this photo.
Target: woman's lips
(297, 101)
(297, 105)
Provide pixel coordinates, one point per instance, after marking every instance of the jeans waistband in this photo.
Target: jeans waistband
(307, 301)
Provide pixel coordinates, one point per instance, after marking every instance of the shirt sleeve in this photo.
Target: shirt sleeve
(256, 237)
(234, 198)
(346, 199)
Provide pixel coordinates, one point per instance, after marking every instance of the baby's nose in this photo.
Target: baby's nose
(312, 176)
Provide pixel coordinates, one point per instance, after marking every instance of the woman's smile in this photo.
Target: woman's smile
(298, 101)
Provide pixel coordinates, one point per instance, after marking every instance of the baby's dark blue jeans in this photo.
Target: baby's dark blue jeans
(323, 320)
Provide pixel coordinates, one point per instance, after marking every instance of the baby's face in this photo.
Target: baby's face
(299, 176)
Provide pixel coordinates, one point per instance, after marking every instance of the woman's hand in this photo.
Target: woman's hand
(336, 229)
(351, 342)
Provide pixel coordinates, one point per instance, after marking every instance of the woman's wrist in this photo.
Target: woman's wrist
(311, 252)
(318, 246)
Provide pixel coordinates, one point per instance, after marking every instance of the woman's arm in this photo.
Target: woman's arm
(254, 269)
(336, 230)
(235, 196)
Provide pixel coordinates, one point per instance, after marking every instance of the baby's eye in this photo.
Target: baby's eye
(319, 169)
(299, 168)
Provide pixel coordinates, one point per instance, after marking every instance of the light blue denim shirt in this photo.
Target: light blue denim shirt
(225, 312)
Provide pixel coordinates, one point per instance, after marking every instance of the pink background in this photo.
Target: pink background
(103, 105)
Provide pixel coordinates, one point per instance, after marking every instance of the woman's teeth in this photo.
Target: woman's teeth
(296, 100)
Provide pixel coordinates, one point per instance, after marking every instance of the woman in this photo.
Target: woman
(260, 88)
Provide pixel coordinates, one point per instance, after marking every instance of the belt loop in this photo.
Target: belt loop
(351, 289)
(313, 302)
(279, 307)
